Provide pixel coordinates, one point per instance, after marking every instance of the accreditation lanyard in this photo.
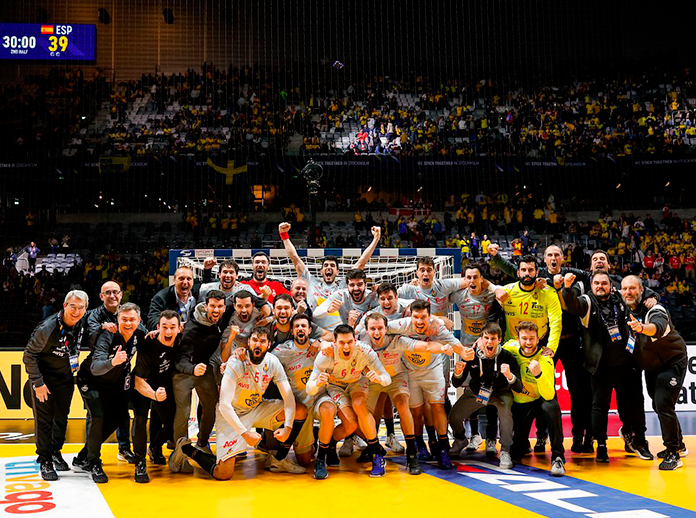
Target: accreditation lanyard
(613, 327)
(73, 353)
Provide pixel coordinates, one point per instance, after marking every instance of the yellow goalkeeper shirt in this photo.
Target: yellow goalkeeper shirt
(540, 306)
(533, 388)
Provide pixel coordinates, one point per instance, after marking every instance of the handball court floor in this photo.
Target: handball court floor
(627, 487)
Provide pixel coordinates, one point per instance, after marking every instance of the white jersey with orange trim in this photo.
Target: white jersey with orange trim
(474, 311)
(424, 360)
(344, 371)
(318, 290)
(437, 294)
(252, 381)
(298, 364)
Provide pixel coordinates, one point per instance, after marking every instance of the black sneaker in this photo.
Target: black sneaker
(332, 459)
(642, 450)
(156, 456)
(602, 454)
(588, 445)
(413, 465)
(671, 462)
(365, 456)
(141, 473)
(682, 451)
(126, 455)
(628, 441)
(80, 465)
(48, 472)
(98, 474)
(320, 472)
(577, 445)
(59, 462)
(540, 446)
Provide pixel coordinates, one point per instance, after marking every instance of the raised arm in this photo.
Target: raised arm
(365, 257)
(500, 262)
(283, 230)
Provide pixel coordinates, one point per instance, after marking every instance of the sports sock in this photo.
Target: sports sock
(432, 434)
(443, 443)
(323, 450)
(373, 446)
(389, 423)
(410, 445)
(203, 459)
(419, 441)
(284, 447)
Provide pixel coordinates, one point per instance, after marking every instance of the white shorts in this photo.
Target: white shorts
(342, 396)
(426, 386)
(230, 443)
(321, 397)
(399, 385)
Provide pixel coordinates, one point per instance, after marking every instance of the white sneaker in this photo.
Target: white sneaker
(474, 443)
(283, 466)
(394, 445)
(457, 447)
(177, 457)
(346, 449)
(558, 467)
(491, 447)
(505, 460)
(358, 443)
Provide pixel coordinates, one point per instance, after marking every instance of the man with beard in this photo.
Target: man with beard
(227, 283)
(494, 374)
(342, 375)
(104, 380)
(426, 377)
(242, 408)
(322, 288)
(195, 370)
(281, 328)
(51, 359)
(603, 315)
(347, 306)
(569, 353)
(260, 283)
(242, 321)
(153, 372)
(661, 352)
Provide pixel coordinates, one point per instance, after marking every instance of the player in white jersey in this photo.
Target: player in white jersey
(340, 370)
(426, 376)
(241, 408)
(321, 288)
(245, 317)
(297, 356)
(347, 306)
(427, 287)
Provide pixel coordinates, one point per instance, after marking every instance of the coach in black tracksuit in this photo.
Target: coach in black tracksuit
(661, 352)
(603, 316)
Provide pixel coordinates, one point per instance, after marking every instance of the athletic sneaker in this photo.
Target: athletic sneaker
(177, 457)
(126, 455)
(48, 472)
(577, 445)
(141, 473)
(378, 464)
(283, 466)
(205, 448)
(682, 451)
(491, 450)
(359, 443)
(558, 467)
(443, 460)
(346, 449)
(540, 446)
(424, 454)
(80, 465)
(671, 462)
(156, 456)
(98, 474)
(394, 445)
(332, 459)
(457, 447)
(602, 454)
(413, 465)
(588, 444)
(628, 441)
(320, 471)
(505, 460)
(365, 456)
(59, 462)
(475, 443)
(642, 450)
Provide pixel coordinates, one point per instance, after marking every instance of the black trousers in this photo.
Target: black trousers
(664, 386)
(579, 385)
(51, 418)
(523, 414)
(162, 431)
(105, 406)
(626, 381)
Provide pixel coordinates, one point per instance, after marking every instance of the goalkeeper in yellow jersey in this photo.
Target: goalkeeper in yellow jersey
(531, 300)
(538, 396)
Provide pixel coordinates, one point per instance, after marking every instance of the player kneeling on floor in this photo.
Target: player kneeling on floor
(241, 409)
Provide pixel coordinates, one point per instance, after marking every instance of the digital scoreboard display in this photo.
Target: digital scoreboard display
(56, 42)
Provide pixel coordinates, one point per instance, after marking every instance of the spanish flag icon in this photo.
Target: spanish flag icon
(47, 29)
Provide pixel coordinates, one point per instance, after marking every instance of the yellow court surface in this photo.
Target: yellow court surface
(627, 487)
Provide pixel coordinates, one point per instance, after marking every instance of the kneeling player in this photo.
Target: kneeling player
(341, 373)
(241, 409)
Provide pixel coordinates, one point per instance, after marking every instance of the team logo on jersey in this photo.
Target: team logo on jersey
(265, 367)
(416, 359)
(354, 362)
(253, 400)
(673, 382)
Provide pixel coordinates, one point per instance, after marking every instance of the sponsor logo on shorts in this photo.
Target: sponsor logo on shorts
(229, 444)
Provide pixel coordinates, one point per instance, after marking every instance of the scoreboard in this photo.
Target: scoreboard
(58, 42)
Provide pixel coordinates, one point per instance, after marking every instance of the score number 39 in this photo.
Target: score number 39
(56, 43)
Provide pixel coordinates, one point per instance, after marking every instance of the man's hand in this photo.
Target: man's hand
(327, 349)
(372, 376)
(266, 292)
(223, 366)
(160, 394)
(505, 370)
(42, 393)
(353, 317)
(284, 228)
(446, 349)
(110, 327)
(152, 334)
(535, 368)
(650, 303)
(468, 354)
(251, 438)
(636, 326)
(234, 331)
(414, 282)
(262, 322)
(199, 369)
(547, 351)
(314, 346)
(282, 434)
(459, 368)
(335, 305)
(568, 280)
(501, 295)
(119, 358)
(493, 249)
(301, 307)
(240, 353)
(376, 232)
(208, 263)
(434, 327)
(323, 379)
(558, 281)
(540, 283)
